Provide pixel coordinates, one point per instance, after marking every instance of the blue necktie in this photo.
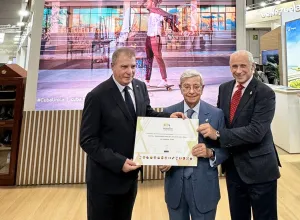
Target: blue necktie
(187, 171)
(129, 104)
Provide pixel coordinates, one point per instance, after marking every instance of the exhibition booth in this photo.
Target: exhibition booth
(279, 51)
(69, 48)
(70, 44)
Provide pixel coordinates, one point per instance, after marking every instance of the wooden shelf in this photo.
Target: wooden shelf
(4, 91)
(5, 148)
(11, 96)
(7, 101)
(6, 123)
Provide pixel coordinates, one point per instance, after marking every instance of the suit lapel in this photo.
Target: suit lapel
(119, 99)
(204, 117)
(138, 97)
(248, 93)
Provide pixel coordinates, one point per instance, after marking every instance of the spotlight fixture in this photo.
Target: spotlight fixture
(263, 4)
(23, 13)
(20, 24)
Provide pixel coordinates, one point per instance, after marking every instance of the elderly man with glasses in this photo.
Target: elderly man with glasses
(194, 191)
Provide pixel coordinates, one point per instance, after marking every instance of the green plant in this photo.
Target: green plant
(295, 83)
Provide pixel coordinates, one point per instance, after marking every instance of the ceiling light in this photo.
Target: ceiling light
(263, 4)
(20, 24)
(277, 2)
(23, 13)
(2, 35)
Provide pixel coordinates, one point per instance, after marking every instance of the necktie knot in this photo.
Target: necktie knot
(190, 112)
(240, 87)
(126, 88)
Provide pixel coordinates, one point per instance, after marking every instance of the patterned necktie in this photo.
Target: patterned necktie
(187, 172)
(235, 101)
(129, 104)
(189, 113)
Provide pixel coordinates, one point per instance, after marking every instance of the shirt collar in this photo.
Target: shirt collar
(120, 87)
(196, 108)
(244, 84)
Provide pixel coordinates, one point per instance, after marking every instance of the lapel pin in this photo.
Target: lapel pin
(206, 120)
(137, 86)
(251, 93)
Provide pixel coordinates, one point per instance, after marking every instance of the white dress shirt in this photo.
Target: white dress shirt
(130, 90)
(154, 24)
(235, 88)
(195, 115)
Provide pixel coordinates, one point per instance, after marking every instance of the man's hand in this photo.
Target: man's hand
(200, 150)
(177, 115)
(207, 131)
(164, 168)
(129, 165)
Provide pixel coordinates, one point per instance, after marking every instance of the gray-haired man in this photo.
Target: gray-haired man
(194, 191)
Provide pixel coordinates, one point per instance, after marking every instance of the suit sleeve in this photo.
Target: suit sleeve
(259, 125)
(90, 141)
(150, 112)
(220, 153)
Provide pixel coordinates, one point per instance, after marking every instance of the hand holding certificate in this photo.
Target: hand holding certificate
(165, 141)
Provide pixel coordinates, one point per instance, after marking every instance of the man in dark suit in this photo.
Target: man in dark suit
(194, 191)
(252, 169)
(107, 135)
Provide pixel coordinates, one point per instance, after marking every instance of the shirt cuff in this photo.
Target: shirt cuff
(212, 163)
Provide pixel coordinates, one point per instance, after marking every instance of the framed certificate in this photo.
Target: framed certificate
(165, 141)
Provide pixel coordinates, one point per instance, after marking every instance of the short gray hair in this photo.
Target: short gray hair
(191, 73)
(123, 50)
(249, 54)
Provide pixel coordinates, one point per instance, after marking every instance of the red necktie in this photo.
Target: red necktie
(235, 101)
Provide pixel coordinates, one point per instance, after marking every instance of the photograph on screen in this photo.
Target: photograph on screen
(270, 56)
(79, 38)
(292, 52)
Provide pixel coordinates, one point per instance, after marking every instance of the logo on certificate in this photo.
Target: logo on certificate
(167, 127)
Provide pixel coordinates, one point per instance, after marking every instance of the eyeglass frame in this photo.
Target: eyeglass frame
(201, 87)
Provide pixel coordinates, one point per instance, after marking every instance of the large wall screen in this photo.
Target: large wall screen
(292, 52)
(79, 38)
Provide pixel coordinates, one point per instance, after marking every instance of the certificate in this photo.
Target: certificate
(165, 141)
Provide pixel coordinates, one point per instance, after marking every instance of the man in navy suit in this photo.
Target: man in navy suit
(107, 135)
(194, 191)
(252, 168)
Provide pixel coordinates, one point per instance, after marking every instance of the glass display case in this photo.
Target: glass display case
(12, 83)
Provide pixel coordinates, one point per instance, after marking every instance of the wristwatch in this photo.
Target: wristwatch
(218, 134)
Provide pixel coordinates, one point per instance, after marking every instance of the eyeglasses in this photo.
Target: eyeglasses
(187, 88)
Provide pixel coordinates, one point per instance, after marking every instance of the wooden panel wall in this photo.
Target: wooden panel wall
(49, 150)
(272, 41)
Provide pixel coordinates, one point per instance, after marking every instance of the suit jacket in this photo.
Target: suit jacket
(107, 135)
(205, 178)
(249, 138)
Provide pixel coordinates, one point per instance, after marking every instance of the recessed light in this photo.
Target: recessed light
(23, 13)
(20, 24)
(263, 4)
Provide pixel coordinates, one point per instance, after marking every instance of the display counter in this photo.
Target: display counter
(286, 122)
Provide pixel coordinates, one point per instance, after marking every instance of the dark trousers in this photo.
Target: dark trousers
(153, 49)
(110, 207)
(262, 197)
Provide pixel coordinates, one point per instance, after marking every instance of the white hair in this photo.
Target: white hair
(191, 73)
(249, 54)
